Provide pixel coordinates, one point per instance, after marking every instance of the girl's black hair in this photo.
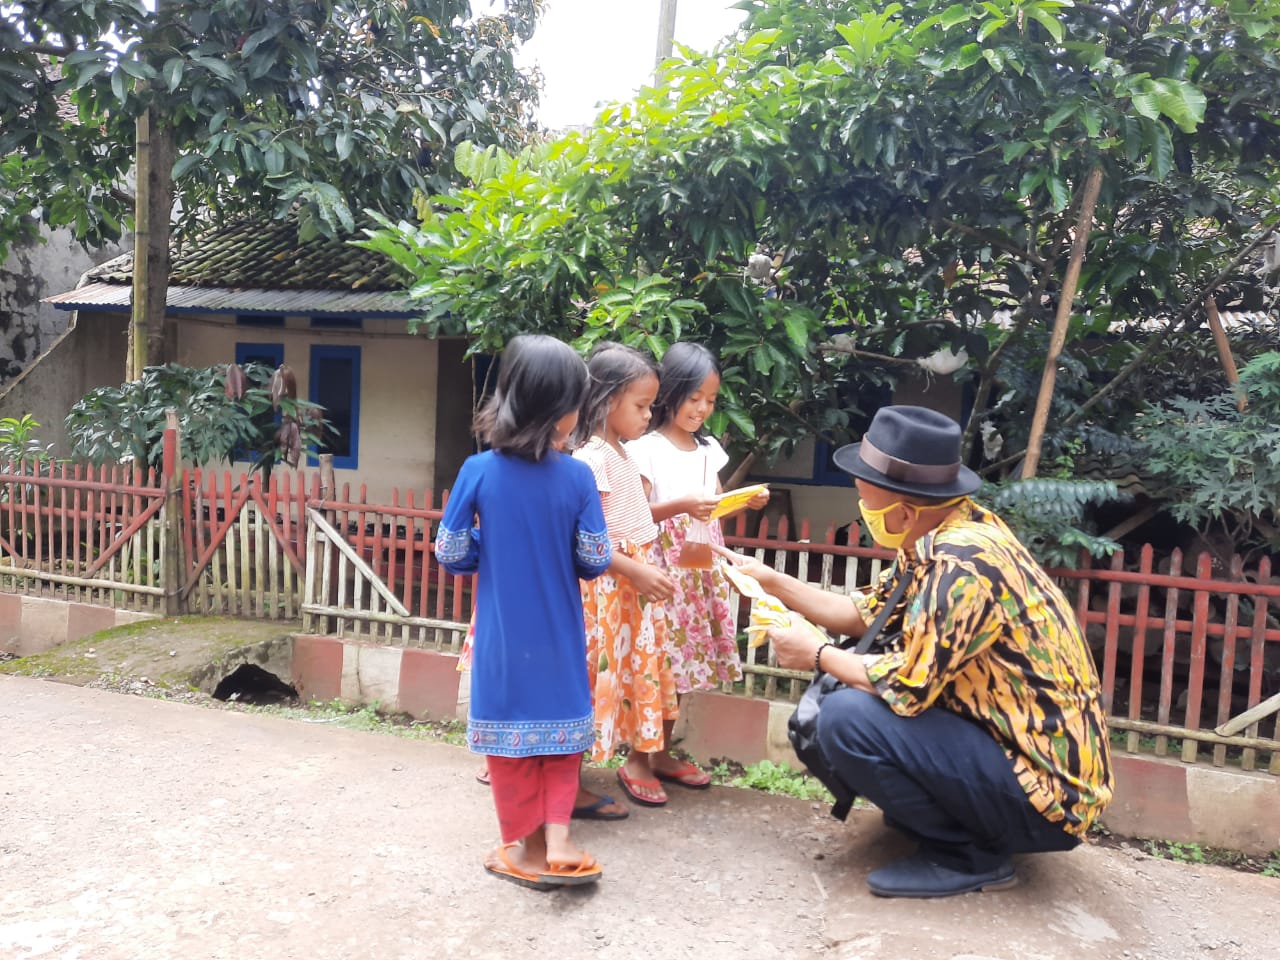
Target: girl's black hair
(685, 366)
(540, 380)
(613, 368)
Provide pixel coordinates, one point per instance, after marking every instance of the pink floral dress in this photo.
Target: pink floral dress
(702, 616)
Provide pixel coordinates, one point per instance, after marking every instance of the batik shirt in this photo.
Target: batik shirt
(988, 635)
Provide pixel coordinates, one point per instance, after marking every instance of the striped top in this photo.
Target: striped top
(626, 509)
(987, 634)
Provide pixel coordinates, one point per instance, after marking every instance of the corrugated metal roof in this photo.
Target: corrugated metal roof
(185, 299)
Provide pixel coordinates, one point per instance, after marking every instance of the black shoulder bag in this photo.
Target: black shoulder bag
(802, 728)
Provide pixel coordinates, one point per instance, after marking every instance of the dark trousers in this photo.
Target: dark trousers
(939, 778)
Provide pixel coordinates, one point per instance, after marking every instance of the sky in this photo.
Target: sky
(598, 51)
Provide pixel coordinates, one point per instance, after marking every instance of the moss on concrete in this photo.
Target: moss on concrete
(166, 651)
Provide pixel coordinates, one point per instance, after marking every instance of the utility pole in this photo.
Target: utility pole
(666, 31)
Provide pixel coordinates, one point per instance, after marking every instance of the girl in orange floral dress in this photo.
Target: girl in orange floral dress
(628, 660)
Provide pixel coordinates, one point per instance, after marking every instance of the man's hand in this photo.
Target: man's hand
(761, 572)
(796, 645)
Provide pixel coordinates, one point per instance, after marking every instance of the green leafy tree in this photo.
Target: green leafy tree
(1220, 459)
(223, 413)
(848, 189)
(316, 107)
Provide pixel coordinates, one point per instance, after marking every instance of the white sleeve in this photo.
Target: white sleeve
(716, 457)
(641, 452)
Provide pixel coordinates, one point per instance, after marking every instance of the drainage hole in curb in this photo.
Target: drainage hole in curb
(248, 683)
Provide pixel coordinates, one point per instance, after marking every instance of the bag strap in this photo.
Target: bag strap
(869, 637)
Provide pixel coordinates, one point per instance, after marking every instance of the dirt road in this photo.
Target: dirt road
(133, 829)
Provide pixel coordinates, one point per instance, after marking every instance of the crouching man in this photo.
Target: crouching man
(984, 735)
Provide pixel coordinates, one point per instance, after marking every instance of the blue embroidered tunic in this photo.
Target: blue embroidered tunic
(540, 531)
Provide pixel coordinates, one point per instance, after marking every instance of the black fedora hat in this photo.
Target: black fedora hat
(910, 450)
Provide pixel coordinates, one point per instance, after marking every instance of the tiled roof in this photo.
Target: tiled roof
(267, 255)
(1127, 471)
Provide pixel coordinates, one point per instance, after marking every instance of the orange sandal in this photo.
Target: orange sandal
(572, 873)
(507, 870)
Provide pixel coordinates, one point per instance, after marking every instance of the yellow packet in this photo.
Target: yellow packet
(767, 611)
(734, 500)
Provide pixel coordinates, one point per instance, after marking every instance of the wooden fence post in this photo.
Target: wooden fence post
(327, 559)
(171, 560)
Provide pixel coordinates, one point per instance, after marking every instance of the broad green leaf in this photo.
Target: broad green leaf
(1047, 20)
(1014, 151)
(744, 423)
(185, 163)
(119, 84)
(173, 69)
(1160, 145)
(1058, 116)
(797, 330)
(1180, 101)
(1145, 102)
(955, 14)
(1059, 191)
(760, 42)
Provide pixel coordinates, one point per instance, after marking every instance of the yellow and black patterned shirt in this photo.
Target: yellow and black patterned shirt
(988, 635)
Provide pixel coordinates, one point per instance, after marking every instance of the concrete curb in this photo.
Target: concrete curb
(31, 625)
(422, 683)
(1155, 798)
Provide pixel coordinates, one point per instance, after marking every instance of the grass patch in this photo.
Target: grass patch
(769, 777)
(1195, 853)
(369, 717)
(1191, 853)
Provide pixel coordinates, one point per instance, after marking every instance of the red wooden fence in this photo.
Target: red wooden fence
(1182, 646)
(1181, 649)
(83, 532)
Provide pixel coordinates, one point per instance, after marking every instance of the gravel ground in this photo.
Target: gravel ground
(134, 828)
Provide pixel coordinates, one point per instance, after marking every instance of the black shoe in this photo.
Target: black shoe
(918, 876)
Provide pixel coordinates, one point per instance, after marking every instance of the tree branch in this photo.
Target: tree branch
(996, 242)
(1130, 27)
(1181, 319)
(48, 50)
(1018, 323)
(1057, 340)
(127, 199)
(885, 358)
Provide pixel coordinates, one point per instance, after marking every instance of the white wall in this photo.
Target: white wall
(87, 355)
(398, 389)
(31, 271)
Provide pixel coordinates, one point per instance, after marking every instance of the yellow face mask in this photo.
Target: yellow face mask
(874, 519)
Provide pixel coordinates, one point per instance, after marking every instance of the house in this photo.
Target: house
(337, 315)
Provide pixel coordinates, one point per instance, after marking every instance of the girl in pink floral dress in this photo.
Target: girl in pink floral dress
(681, 466)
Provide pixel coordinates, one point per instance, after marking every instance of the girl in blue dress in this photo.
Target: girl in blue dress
(527, 518)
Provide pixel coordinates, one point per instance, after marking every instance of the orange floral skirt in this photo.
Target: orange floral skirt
(628, 662)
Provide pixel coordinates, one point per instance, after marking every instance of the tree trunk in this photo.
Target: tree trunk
(666, 31)
(153, 206)
(1044, 399)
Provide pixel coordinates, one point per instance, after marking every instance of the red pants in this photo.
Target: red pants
(532, 791)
